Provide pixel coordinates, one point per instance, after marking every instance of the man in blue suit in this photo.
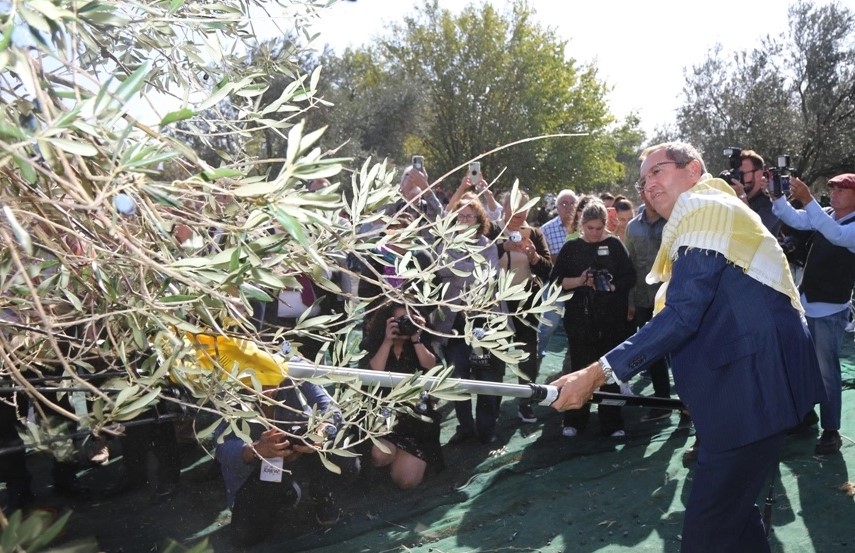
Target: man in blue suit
(741, 354)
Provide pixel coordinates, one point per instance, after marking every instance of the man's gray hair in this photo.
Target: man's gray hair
(567, 192)
(681, 152)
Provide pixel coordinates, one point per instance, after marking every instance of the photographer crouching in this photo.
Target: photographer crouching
(393, 342)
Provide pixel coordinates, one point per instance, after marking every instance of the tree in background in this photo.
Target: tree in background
(794, 94)
(454, 87)
(372, 112)
(109, 267)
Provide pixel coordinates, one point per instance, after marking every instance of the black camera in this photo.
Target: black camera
(602, 280)
(406, 326)
(479, 358)
(781, 176)
(734, 157)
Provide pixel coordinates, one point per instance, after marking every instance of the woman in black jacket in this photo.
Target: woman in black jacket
(597, 268)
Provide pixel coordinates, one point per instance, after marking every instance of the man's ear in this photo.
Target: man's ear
(695, 170)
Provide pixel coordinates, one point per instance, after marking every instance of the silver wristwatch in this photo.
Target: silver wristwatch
(608, 373)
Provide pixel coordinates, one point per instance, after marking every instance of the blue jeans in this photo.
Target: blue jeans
(545, 331)
(828, 333)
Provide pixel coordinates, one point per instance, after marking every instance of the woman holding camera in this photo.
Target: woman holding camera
(597, 268)
(393, 342)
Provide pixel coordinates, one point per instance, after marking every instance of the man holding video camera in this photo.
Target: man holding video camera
(742, 358)
(753, 185)
(826, 286)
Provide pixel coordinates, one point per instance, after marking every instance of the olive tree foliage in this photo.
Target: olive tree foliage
(93, 281)
(627, 137)
(793, 94)
(454, 87)
(111, 269)
(98, 294)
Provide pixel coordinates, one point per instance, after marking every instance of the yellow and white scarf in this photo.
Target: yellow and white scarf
(710, 216)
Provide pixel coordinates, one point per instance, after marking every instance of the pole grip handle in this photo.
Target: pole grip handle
(544, 394)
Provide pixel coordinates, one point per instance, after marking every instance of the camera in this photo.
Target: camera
(780, 180)
(734, 158)
(406, 326)
(419, 163)
(515, 237)
(602, 280)
(479, 358)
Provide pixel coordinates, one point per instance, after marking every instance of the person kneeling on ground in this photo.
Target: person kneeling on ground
(393, 343)
(261, 477)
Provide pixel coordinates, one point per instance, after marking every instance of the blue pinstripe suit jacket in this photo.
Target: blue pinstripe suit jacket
(742, 357)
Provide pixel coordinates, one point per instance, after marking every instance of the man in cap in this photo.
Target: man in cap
(826, 286)
(741, 354)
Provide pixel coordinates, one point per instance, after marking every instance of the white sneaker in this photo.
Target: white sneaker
(569, 432)
(618, 434)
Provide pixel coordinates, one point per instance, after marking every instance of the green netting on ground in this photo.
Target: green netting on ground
(531, 491)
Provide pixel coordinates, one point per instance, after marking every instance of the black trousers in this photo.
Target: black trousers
(525, 331)
(658, 371)
(13, 465)
(258, 505)
(486, 407)
(585, 346)
(159, 439)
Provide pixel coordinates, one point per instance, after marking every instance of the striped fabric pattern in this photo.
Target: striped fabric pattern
(709, 216)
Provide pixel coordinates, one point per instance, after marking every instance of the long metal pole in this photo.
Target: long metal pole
(542, 393)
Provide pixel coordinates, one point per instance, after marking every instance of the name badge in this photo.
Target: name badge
(603, 250)
(271, 469)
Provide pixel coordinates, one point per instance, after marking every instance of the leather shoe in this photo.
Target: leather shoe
(830, 442)
(488, 438)
(809, 421)
(656, 415)
(463, 434)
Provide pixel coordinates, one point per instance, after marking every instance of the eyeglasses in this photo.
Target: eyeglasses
(566, 205)
(655, 171)
(463, 217)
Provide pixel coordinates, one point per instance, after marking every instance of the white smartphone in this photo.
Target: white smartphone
(475, 172)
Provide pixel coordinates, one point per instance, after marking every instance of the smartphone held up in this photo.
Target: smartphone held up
(780, 176)
(474, 175)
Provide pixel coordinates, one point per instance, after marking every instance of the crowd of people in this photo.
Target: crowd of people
(595, 252)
